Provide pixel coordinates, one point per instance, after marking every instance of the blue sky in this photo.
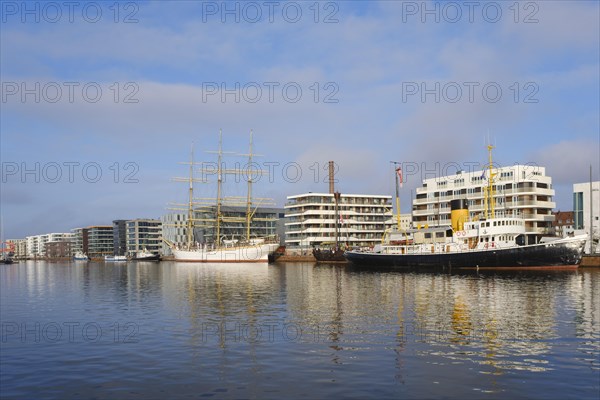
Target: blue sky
(159, 66)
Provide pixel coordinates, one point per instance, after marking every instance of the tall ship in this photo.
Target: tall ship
(496, 239)
(221, 246)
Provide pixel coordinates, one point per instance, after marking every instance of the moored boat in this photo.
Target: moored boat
(493, 239)
(80, 256)
(216, 247)
(145, 255)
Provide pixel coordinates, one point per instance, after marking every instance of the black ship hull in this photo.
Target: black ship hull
(540, 255)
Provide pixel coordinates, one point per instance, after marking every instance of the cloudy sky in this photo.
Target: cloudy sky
(100, 101)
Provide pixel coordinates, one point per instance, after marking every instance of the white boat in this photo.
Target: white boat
(220, 248)
(145, 255)
(115, 258)
(80, 256)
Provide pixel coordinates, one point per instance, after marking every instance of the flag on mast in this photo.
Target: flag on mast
(399, 172)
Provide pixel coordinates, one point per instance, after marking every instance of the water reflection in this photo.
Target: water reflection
(260, 328)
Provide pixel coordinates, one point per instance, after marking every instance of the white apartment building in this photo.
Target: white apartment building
(36, 245)
(143, 234)
(519, 189)
(310, 219)
(581, 211)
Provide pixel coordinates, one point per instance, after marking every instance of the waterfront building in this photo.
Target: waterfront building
(310, 220)
(581, 211)
(119, 237)
(80, 240)
(100, 241)
(58, 249)
(563, 223)
(36, 244)
(143, 234)
(173, 229)
(18, 248)
(522, 190)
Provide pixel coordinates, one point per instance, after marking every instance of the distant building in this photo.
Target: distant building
(581, 211)
(310, 220)
(100, 241)
(564, 224)
(519, 189)
(36, 245)
(58, 249)
(80, 240)
(19, 248)
(173, 229)
(119, 237)
(144, 234)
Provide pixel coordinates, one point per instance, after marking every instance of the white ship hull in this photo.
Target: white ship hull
(234, 254)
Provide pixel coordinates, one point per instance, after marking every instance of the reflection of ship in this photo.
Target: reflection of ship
(145, 255)
(80, 256)
(115, 258)
(221, 249)
(497, 240)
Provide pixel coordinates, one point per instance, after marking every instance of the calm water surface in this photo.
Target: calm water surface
(168, 330)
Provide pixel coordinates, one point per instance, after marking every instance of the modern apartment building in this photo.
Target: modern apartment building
(519, 189)
(36, 245)
(119, 237)
(310, 219)
(143, 234)
(100, 241)
(80, 240)
(581, 211)
(173, 229)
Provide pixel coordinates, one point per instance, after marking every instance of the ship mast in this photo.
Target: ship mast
(219, 184)
(396, 167)
(190, 222)
(490, 204)
(249, 195)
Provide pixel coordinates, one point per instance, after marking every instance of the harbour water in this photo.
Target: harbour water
(169, 330)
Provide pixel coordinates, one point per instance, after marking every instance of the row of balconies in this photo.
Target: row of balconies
(480, 195)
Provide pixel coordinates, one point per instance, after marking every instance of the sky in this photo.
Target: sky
(103, 101)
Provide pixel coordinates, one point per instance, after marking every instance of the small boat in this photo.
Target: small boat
(329, 255)
(80, 256)
(6, 260)
(115, 258)
(145, 255)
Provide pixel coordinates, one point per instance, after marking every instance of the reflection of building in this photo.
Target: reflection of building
(144, 234)
(119, 237)
(310, 219)
(563, 223)
(523, 189)
(581, 210)
(100, 241)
